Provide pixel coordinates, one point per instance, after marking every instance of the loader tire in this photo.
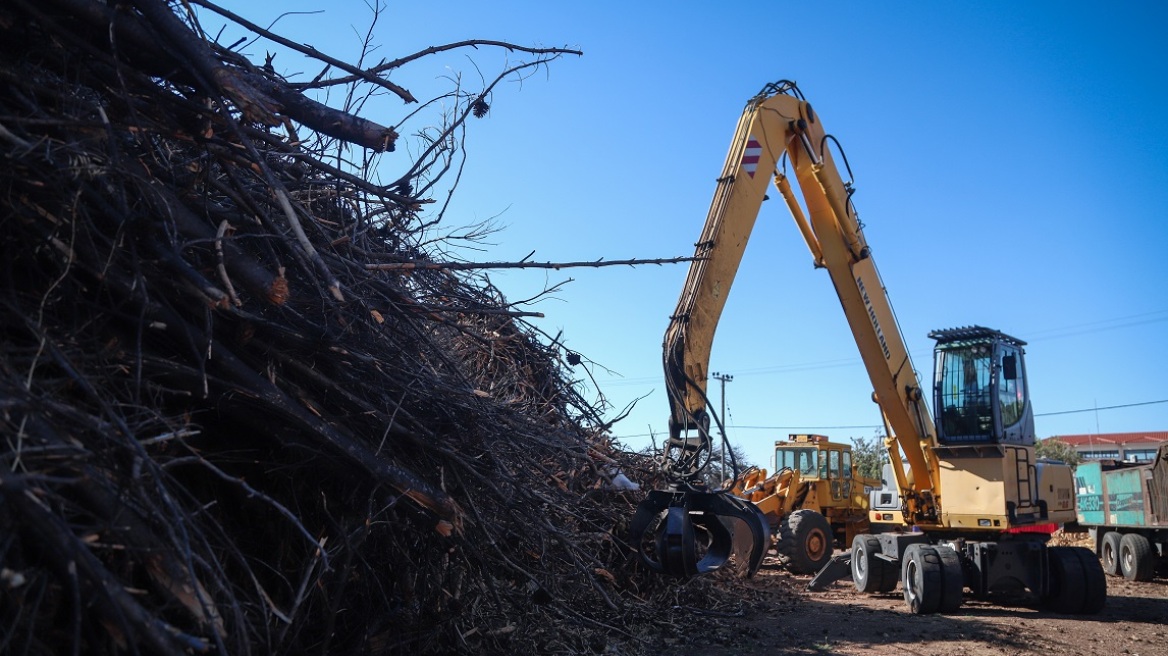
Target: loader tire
(1109, 552)
(1136, 560)
(805, 538)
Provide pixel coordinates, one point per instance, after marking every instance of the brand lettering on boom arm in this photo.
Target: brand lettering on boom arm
(872, 316)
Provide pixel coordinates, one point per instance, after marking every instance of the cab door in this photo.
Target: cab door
(840, 473)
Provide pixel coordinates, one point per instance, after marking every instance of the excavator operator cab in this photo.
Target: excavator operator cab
(980, 388)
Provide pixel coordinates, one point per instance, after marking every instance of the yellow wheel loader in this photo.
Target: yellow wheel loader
(814, 502)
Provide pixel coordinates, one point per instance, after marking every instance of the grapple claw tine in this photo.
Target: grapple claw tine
(677, 544)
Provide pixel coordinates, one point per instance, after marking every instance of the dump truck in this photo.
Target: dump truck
(1124, 507)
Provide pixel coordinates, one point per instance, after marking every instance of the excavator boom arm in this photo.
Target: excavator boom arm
(835, 237)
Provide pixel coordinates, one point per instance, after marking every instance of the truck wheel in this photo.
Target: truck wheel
(952, 580)
(1065, 589)
(922, 578)
(868, 571)
(1094, 582)
(1135, 558)
(1109, 552)
(805, 538)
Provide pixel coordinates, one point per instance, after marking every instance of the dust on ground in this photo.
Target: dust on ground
(841, 621)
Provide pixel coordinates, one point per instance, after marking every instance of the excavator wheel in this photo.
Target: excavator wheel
(952, 579)
(1094, 582)
(805, 538)
(1077, 585)
(922, 574)
(1109, 552)
(871, 573)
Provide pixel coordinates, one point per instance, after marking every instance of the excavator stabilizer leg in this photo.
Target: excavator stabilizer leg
(686, 524)
(839, 567)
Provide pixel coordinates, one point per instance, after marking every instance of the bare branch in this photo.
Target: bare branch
(358, 75)
(421, 265)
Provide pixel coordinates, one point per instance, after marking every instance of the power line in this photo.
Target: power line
(808, 428)
(1093, 409)
(1096, 326)
(869, 426)
(776, 428)
(925, 354)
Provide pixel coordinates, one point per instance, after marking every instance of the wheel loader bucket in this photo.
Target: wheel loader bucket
(683, 533)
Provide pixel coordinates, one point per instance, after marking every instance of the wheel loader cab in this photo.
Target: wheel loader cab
(980, 388)
(820, 462)
(798, 457)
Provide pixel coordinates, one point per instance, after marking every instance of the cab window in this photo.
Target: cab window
(964, 394)
(1011, 386)
(800, 460)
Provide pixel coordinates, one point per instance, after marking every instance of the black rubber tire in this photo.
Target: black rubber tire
(805, 538)
(922, 579)
(953, 580)
(1094, 582)
(868, 571)
(891, 576)
(1136, 559)
(1066, 587)
(1109, 552)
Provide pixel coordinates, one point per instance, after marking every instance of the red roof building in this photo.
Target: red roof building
(1115, 446)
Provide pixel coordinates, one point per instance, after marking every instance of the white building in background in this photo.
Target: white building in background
(1132, 447)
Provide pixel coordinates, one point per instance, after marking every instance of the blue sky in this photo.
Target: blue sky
(1010, 160)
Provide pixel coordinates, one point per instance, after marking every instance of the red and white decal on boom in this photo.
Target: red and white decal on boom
(751, 155)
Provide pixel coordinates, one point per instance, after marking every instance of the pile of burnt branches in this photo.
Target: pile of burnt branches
(227, 427)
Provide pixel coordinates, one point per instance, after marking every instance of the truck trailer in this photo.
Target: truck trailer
(1124, 507)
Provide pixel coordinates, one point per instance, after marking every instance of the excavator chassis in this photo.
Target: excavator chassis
(934, 575)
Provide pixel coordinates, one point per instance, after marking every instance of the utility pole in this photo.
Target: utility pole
(723, 378)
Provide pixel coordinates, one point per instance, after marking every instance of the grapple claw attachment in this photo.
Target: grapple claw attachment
(689, 536)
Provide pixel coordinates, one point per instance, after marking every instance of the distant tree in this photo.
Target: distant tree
(1058, 450)
(869, 454)
(713, 473)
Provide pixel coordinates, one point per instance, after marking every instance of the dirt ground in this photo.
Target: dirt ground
(841, 621)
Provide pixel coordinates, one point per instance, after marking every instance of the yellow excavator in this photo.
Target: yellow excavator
(976, 507)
